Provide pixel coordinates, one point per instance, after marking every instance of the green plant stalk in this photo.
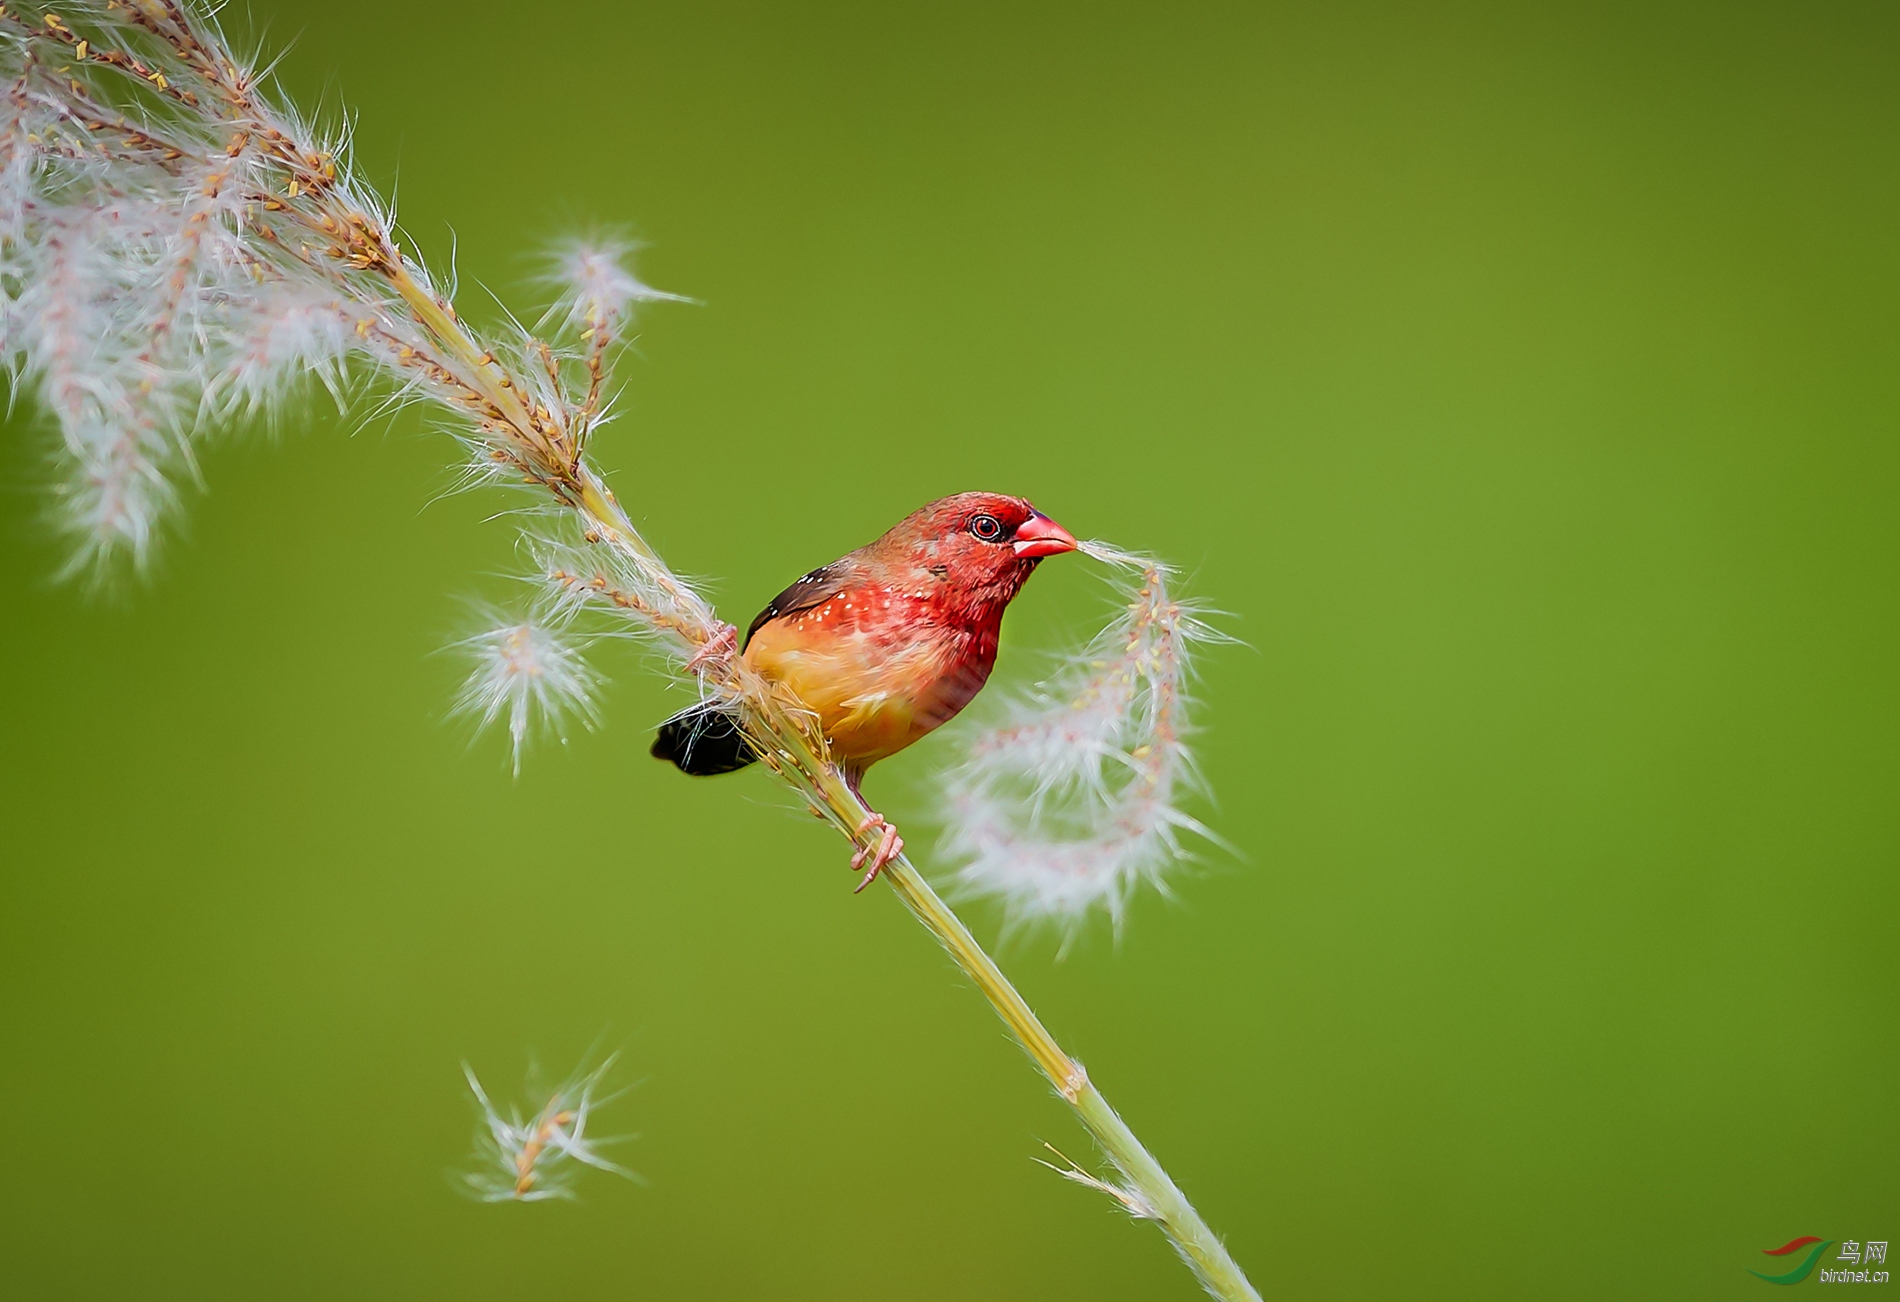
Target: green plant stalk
(1198, 1245)
(788, 747)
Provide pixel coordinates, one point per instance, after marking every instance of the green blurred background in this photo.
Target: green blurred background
(1522, 383)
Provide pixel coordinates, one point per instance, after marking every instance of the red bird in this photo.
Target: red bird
(887, 643)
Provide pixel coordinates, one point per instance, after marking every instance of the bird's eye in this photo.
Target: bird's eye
(986, 528)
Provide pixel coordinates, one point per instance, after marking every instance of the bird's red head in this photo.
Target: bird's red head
(974, 548)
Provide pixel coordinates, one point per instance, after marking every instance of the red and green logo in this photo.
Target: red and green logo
(1804, 1267)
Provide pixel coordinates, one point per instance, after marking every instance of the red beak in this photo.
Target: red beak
(1041, 536)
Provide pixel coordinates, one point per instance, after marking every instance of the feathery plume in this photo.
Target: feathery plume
(596, 289)
(527, 672)
(535, 1157)
(178, 249)
(1073, 800)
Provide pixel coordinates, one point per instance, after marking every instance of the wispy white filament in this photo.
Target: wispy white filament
(1131, 1198)
(1071, 803)
(527, 673)
(531, 1157)
(596, 287)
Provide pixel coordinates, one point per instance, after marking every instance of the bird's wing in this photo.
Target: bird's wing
(816, 588)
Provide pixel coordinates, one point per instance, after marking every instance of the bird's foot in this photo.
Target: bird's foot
(888, 847)
(720, 646)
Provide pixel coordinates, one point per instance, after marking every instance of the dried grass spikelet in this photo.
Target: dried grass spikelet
(1072, 801)
(178, 248)
(141, 294)
(531, 1157)
(1130, 1197)
(530, 671)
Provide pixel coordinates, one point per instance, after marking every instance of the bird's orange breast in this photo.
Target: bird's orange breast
(880, 668)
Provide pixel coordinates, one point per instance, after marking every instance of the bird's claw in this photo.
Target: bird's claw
(888, 847)
(720, 646)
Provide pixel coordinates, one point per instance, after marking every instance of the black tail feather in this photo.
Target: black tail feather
(702, 741)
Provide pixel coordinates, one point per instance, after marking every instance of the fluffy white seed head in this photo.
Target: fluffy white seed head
(527, 673)
(596, 283)
(1072, 801)
(300, 333)
(178, 248)
(530, 1157)
(126, 266)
